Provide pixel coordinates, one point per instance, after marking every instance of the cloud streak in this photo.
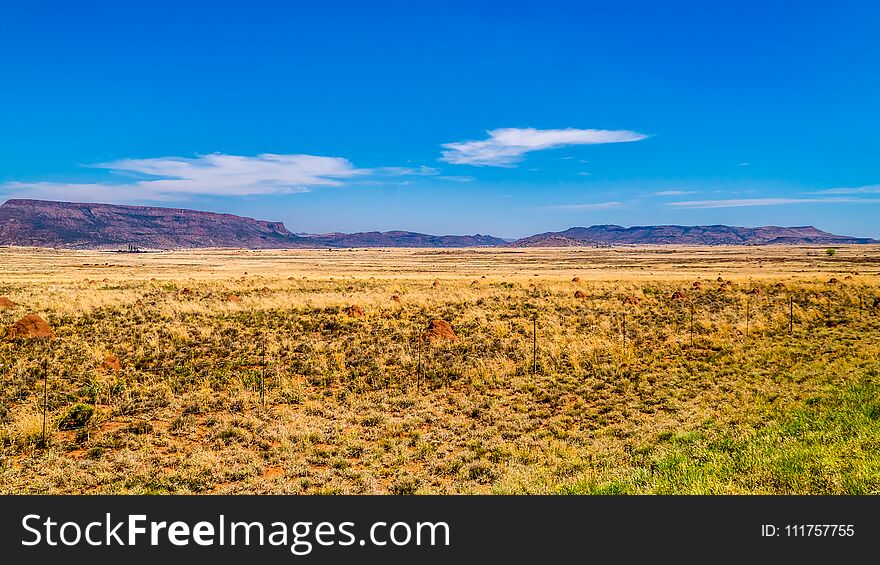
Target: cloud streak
(506, 146)
(870, 189)
(217, 174)
(585, 207)
(743, 202)
(673, 192)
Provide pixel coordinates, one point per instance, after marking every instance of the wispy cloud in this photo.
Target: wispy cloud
(869, 189)
(506, 146)
(590, 206)
(673, 192)
(743, 164)
(743, 202)
(456, 178)
(175, 178)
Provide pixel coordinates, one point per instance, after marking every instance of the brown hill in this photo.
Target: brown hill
(686, 235)
(41, 223)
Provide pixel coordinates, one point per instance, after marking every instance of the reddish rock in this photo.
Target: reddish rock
(111, 363)
(29, 327)
(355, 311)
(439, 330)
(6, 303)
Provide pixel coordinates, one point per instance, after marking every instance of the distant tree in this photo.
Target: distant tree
(830, 251)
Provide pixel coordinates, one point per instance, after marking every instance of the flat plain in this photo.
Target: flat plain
(572, 370)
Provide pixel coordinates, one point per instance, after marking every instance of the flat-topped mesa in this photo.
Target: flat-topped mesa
(687, 235)
(42, 223)
(72, 224)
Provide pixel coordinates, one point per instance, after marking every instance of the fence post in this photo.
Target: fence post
(623, 329)
(692, 323)
(45, 399)
(748, 304)
(535, 345)
(419, 365)
(790, 315)
(263, 377)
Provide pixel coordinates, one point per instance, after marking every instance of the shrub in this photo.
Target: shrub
(77, 416)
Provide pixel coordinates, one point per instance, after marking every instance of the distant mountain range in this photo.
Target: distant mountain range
(686, 235)
(41, 223)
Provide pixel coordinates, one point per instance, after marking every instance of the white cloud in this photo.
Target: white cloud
(174, 178)
(506, 146)
(738, 203)
(674, 192)
(584, 207)
(870, 189)
(456, 178)
(743, 164)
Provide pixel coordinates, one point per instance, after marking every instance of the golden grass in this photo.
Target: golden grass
(286, 392)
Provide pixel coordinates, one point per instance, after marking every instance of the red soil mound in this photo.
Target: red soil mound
(6, 303)
(576, 279)
(439, 330)
(28, 327)
(111, 363)
(678, 296)
(436, 284)
(580, 294)
(779, 285)
(633, 300)
(726, 286)
(475, 283)
(697, 285)
(832, 280)
(355, 311)
(233, 298)
(755, 291)
(395, 298)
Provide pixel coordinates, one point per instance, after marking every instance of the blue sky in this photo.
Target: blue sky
(459, 117)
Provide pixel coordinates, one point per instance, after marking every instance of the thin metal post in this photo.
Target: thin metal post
(790, 315)
(748, 303)
(692, 324)
(623, 329)
(263, 377)
(535, 345)
(419, 366)
(45, 399)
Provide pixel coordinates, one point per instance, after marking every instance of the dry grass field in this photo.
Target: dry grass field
(651, 370)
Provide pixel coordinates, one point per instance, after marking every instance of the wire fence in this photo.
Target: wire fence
(273, 355)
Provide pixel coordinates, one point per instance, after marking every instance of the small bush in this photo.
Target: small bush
(76, 417)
